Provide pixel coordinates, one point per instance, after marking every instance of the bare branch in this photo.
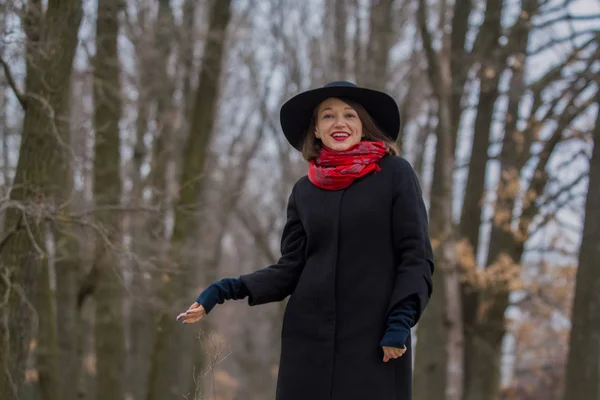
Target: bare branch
(540, 175)
(552, 216)
(13, 84)
(555, 7)
(553, 42)
(551, 250)
(248, 220)
(564, 189)
(569, 162)
(33, 239)
(538, 295)
(566, 17)
(555, 73)
(10, 233)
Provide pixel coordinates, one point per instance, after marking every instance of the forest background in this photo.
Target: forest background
(141, 158)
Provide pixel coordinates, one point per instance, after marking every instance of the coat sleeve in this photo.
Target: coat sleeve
(412, 247)
(277, 281)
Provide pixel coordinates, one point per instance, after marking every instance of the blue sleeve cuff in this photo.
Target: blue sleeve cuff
(218, 292)
(399, 323)
(395, 339)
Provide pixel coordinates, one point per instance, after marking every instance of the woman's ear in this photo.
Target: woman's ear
(317, 134)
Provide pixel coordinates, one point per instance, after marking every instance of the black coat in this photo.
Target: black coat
(348, 257)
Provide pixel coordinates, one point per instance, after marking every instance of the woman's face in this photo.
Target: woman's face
(338, 125)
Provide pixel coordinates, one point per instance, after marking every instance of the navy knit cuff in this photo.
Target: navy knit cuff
(209, 298)
(218, 292)
(395, 338)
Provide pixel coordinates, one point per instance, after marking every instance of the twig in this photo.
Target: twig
(564, 189)
(566, 17)
(553, 42)
(13, 84)
(52, 117)
(35, 323)
(32, 238)
(117, 208)
(259, 236)
(5, 346)
(11, 232)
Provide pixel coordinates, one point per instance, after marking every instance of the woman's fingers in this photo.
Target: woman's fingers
(195, 311)
(390, 353)
(387, 354)
(193, 314)
(193, 319)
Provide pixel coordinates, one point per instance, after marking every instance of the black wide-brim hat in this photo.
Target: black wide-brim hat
(297, 112)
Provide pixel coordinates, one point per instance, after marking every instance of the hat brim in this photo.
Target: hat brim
(296, 114)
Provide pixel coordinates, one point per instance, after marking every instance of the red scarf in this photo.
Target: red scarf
(334, 170)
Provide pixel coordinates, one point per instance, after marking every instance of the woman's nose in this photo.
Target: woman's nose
(339, 122)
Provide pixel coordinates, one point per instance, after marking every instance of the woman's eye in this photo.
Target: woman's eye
(327, 116)
(350, 116)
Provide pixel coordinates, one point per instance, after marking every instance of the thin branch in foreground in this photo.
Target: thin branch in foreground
(13, 84)
(566, 17)
(563, 189)
(553, 42)
(10, 233)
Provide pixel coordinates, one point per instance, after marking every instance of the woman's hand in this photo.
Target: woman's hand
(193, 314)
(392, 352)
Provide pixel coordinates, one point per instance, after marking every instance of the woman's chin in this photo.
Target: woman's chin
(341, 146)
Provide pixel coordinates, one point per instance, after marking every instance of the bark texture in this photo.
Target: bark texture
(439, 364)
(491, 65)
(51, 43)
(163, 363)
(109, 324)
(148, 242)
(583, 362)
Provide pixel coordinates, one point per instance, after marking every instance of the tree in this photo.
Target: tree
(519, 198)
(192, 171)
(447, 340)
(109, 292)
(508, 239)
(583, 363)
(154, 39)
(36, 194)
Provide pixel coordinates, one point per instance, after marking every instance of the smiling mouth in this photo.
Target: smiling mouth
(340, 136)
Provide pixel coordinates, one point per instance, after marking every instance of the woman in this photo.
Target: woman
(356, 257)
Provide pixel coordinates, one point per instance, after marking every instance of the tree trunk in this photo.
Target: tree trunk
(109, 293)
(431, 357)
(491, 67)
(485, 310)
(4, 128)
(140, 317)
(381, 39)
(358, 48)
(340, 42)
(441, 204)
(163, 363)
(51, 43)
(47, 347)
(148, 239)
(68, 274)
(439, 353)
(583, 361)
(460, 61)
(68, 268)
